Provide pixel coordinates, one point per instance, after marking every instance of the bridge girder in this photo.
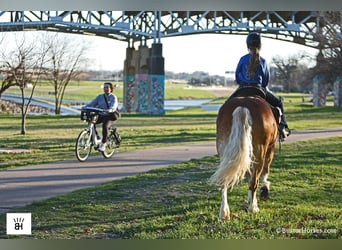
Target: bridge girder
(302, 27)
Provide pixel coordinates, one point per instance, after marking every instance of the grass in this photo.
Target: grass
(84, 91)
(178, 203)
(52, 138)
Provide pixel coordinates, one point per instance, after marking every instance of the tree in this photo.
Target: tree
(66, 58)
(329, 36)
(22, 68)
(292, 71)
(8, 79)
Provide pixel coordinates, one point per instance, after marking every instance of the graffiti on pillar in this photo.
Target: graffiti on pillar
(338, 92)
(142, 93)
(319, 91)
(129, 97)
(157, 94)
(144, 80)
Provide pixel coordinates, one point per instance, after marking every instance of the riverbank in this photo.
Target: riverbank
(8, 107)
(12, 107)
(177, 96)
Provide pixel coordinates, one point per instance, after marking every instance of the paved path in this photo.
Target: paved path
(24, 185)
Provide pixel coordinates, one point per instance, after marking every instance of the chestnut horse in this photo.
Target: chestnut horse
(246, 136)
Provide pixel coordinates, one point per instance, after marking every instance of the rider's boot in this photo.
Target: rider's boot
(284, 131)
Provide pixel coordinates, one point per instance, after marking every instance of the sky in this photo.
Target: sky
(211, 53)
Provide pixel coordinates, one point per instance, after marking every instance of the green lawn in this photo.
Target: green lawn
(86, 91)
(52, 138)
(178, 203)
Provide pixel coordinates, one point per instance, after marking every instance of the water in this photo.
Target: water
(180, 104)
(168, 104)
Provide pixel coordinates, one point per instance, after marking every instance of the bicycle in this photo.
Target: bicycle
(89, 138)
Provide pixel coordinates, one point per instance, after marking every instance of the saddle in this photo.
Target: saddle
(249, 91)
(256, 92)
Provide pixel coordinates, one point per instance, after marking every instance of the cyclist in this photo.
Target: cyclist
(109, 102)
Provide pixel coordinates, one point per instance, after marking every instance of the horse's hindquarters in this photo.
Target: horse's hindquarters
(264, 125)
(237, 138)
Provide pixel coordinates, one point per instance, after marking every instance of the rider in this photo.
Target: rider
(252, 70)
(109, 102)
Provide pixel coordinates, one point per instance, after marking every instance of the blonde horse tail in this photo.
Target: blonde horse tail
(237, 156)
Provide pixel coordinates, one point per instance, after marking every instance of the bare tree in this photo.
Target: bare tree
(8, 79)
(291, 71)
(22, 68)
(329, 60)
(66, 57)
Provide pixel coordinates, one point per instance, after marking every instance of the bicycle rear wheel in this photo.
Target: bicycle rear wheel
(110, 147)
(83, 146)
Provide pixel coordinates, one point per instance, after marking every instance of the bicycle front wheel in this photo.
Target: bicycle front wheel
(83, 146)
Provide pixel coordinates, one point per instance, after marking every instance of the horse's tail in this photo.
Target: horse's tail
(237, 156)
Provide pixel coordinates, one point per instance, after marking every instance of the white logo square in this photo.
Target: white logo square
(18, 223)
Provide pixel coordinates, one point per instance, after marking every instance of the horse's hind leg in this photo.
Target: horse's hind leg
(265, 184)
(224, 210)
(265, 187)
(253, 185)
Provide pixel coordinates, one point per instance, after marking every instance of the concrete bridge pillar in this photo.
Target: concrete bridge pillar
(319, 91)
(157, 80)
(129, 88)
(338, 92)
(144, 80)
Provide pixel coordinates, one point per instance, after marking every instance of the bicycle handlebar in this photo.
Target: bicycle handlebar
(92, 109)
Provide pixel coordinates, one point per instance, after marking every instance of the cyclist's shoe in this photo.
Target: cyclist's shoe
(102, 147)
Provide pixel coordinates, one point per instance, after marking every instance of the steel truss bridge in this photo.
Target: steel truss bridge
(301, 27)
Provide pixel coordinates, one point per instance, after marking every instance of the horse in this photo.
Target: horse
(246, 136)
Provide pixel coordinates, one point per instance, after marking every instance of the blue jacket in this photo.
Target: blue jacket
(99, 102)
(262, 74)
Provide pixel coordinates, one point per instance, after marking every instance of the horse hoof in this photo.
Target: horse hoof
(224, 217)
(264, 194)
(253, 209)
